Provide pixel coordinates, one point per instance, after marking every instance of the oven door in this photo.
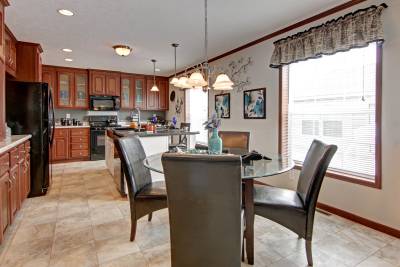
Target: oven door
(97, 144)
(102, 103)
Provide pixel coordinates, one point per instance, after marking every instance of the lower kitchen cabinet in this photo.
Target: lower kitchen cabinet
(71, 144)
(15, 182)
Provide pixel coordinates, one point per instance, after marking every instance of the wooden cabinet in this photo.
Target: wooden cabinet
(49, 76)
(140, 92)
(157, 100)
(10, 52)
(65, 89)
(29, 62)
(81, 94)
(152, 97)
(163, 86)
(2, 71)
(127, 91)
(104, 83)
(71, 144)
(3, 4)
(14, 183)
(60, 144)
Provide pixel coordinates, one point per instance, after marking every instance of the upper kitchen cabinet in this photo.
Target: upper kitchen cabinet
(49, 76)
(127, 91)
(10, 52)
(81, 94)
(140, 92)
(152, 97)
(104, 83)
(29, 62)
(163, 86)
(3, 4)
(65, 89)
(113, 83)
(157, 100)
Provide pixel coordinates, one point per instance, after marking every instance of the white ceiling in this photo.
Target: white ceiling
(149, 26)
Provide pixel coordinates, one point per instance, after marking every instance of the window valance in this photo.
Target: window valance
(356, 29)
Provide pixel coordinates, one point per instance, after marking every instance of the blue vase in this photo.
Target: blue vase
(215, 143)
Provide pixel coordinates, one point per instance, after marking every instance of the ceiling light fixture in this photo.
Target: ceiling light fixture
(122, 50)
(158, 70)
(175, 80)
(68, 59)
(154, 88)
(67, 50)
(65, 12)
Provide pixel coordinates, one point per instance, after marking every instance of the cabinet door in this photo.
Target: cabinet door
(163, 100)
(65, 89)
(97, 83)
(4, 203)
(2, 52)
(152, 97)
(27, 176)
(81, 90)
(127, 92)
(140, 93)
(60, 144)
(113, 82)
(13, 192)
(49, 77)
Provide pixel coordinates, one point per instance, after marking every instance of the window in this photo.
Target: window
(197, 112)
(335, 99)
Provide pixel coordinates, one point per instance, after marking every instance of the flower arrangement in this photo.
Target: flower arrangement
(213, 123)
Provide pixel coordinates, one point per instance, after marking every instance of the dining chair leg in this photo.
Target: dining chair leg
(243, 248)
(133, 229)
(309, 253)
(150, 217)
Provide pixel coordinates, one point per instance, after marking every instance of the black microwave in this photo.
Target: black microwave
(104, 103)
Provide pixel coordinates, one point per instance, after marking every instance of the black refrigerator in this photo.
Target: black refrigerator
(30, 110)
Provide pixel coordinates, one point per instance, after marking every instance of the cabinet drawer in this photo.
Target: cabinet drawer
(80, 139)
(14, 156)
(61, 132)
(76, 154)
(79, 146)
(21, 152)
(80, 132)
(4, 163)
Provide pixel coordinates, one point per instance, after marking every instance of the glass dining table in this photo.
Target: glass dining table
(277, 164)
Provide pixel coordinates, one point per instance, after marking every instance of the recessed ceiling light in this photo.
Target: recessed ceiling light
(122, 50)
(68, 59)
(157, 69)
(65, 12)
(67, 50)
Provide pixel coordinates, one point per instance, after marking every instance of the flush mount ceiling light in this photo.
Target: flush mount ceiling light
(175, 80)
(158, 70)
(154, 88)
(122, 50)
(67, 50)
(65, 12)
(68, 59)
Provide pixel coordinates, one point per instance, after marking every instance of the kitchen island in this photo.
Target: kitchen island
(153, 143)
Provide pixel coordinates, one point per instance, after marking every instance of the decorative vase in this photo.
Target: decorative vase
(214, 143)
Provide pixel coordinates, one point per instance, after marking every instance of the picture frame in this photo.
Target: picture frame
(222, 105)
(254, 103)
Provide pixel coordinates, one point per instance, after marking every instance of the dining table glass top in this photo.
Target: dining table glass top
(255, 169)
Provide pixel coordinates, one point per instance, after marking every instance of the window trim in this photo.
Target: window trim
(377, 183)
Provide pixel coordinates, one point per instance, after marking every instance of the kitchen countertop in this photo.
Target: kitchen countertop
(170, 132)
(71, 126)
(12, 142)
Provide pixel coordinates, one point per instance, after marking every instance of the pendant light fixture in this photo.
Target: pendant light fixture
(175, 80)
(154, 88)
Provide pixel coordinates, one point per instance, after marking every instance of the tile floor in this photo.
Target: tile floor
(84, 222)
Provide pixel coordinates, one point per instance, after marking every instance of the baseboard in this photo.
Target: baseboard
(355, 218)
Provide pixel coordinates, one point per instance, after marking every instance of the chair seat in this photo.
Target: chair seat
(275, 196)
(155, 190)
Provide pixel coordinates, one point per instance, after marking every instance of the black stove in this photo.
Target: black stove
(98, 126)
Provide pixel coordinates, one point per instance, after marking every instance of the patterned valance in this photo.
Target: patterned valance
(356, 29)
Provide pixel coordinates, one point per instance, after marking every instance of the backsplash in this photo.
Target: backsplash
(82, 115)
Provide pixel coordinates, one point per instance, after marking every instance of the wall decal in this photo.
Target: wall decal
(254, 104)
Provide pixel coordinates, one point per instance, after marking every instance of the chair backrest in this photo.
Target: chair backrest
(132, 154)
(204, 203)
(233, 139)
(185, 125)
(313, 172)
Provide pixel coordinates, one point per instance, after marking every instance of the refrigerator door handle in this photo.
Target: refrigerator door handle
(53, 120)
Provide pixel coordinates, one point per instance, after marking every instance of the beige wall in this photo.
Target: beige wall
(378, 205)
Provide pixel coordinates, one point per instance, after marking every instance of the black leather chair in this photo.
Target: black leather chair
(295, 209)
(204, 203)
(145, 196)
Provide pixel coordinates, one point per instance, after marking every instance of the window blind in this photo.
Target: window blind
(333, 99)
